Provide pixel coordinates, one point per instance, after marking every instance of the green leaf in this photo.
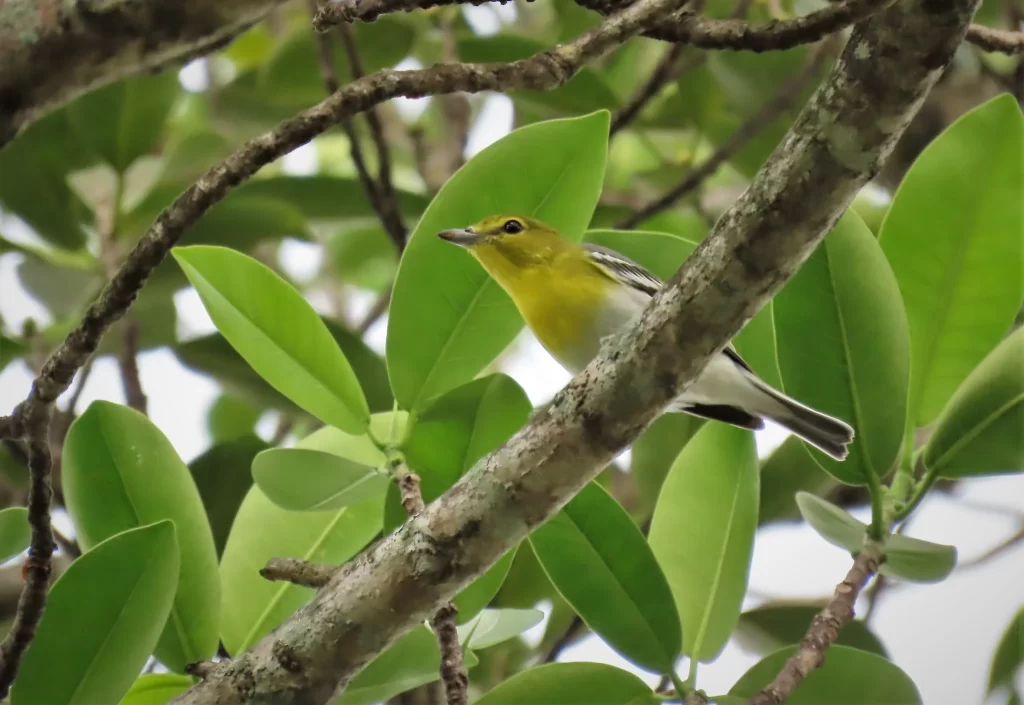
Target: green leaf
(253, 607)
(365, 257)
(310, 480)
(479, 593)
(661, 253)
(775, 625)
(223, 479)
(848, 677)
(856, 366)
(654, 452)
(15, 534)
(360, 449)
(411, 661)
(448, 319)
(492, 627)
(277, 332)
(230, 417)
(156, 689)
(711, 492)
(1009, 654)
(41, 196)
(979, 431)
(10, 350)
(326, 198)
(118, 596)
(954, 238)
(598, 560)
(65, 291)
(369, 367)
(905, 557)
(571, 684)
(121, 472)
(788, 470)
(122, 121)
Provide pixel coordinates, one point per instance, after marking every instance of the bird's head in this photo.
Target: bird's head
(500, 242)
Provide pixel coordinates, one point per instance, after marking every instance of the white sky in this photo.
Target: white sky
(942, 635)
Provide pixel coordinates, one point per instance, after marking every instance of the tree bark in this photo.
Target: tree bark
(835, 146)
(54, 50)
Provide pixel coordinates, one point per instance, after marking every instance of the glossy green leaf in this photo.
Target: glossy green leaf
(241, 222)
(122, 121)
(857, 365)
(661, 253)
(311, 480)
(277, 332)
(905, 557)
(14, 532)
(598, 560)
(118, 596)
(654, 452)
(954, 237)
(479, 593)
(788, 470)
(1009, 654)
(411, 661)
(980, 430)
(223, 478)
(121, 472)
(776, 625)
(571, 684)
(253, 607)
(364, 257)
(386, 426)
(492, 627)
(156, 689)
(326, 198)
(847, 677)
(230, 417)
(369, 367)
(448, 319)
(702, 534)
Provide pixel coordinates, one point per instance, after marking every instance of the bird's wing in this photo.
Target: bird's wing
(632, 274)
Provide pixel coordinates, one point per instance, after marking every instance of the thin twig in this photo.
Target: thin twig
(129, 364)
(769, 112)
(454, 106)
(1000, 548)
(453, 668)
(824, 629)
(568, 636)
(661, 75)
(1001, 40)
(388, 210)
(297, 571)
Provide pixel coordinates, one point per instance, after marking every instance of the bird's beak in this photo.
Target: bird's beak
(462, 237)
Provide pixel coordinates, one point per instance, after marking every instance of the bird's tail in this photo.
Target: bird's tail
(820, 430)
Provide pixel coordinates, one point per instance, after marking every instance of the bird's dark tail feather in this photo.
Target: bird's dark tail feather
(824, 432)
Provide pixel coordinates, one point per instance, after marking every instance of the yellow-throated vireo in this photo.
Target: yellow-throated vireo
(573, 295)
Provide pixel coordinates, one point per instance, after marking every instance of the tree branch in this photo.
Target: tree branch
(769, 112)
(661, 75)
(836, 145)
(297, 571)
(55, 51)
(1001, 40)
(824, 629)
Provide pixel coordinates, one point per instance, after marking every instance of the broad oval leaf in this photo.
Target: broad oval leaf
(223, 477)
(15, 534)
(253, 607)
(653, 453)
(479, 593)
(702, 534)
(448, 319)
(844, 349)
(980, 430)
(848, 677)
(122, 121)
(121, 472)
(118, 596)
(360, 448)
(788, 470)
(156, 689)
(571, 684)
(597, 559)
(955, 239)
(775, 625)
(905, 557)
(410, 662)
(491, 627)
(1009, 654)
(311, 480)
(280, 335)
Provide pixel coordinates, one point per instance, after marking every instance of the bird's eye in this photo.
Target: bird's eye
(511, 227)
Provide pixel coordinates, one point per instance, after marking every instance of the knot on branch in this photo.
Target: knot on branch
(298, 572)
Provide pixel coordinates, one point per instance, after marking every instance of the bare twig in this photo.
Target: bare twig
(769, 112)
(685, 28)
(1001, 40)
(379, 308)
(453, 668)
(454, 106)
(297, 571)
(129, 364)
(824, 629)
(568, 636)
(1010, 542)
(661, 75)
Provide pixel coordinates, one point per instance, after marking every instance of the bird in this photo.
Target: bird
(572, 296)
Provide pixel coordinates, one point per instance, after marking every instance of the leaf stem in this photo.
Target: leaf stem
(683, 688)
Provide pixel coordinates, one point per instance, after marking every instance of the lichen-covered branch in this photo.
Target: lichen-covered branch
(824, 629)
(834, 147)
(51, 52)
